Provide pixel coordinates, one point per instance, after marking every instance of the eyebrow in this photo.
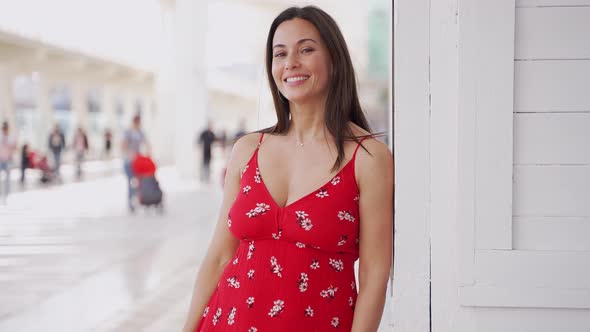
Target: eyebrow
(298, 42)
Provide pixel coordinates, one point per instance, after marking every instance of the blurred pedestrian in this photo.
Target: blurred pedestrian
(108, 142)
(206, 140)
(57, 144)
(25, 162)
(222, 138)
(134, 141)
(80, 145)
(7, 147)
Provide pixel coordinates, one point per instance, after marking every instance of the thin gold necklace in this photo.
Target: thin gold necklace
(301, 143)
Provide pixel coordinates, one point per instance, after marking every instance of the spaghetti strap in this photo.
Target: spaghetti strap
(260, 140)
(359, 145)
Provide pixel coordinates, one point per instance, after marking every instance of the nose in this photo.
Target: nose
(291, 62)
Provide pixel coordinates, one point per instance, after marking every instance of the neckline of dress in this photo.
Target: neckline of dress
(274, 202)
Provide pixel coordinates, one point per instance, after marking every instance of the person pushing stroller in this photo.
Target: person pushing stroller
(134, 141)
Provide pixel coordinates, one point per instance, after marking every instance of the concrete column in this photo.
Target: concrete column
(79, 104)
(46, 116)
(7, 98)
(189, 20)
(107, 105)
(165, 93)
(191, 108)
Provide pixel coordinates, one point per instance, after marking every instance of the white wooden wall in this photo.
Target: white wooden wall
(411, 291)
(508, 163)
(552, 128)
(524, 76)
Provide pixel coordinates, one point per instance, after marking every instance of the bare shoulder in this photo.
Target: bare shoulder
(374, 156)
(247, 142)
(375, 152)
(374, 163)
(242, 151)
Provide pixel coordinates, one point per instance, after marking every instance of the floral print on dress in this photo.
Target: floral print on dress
(337, 264)
(251, 274)
(229, 223)
(308, 311)
(250, 250)
(315, 264)
(303, 279)
(277, 236)
(257, 177)
(335, 180)
(329, 293)
(335, 322)
(303, 220)
(250, 302)
(231, 316)
(233, 282)
(206, 311)
(345, 215)
(252, 329)
(217, 316)
(277, 308)
(322, 193)
(275, 267)
(260, 209)
(244, 171)
(342, 241)
(246, 189)
(300, 245)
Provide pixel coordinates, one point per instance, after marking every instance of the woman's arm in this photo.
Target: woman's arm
(375, 178)
(223, 244)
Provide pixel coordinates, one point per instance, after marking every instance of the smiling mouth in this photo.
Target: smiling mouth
(296, 79)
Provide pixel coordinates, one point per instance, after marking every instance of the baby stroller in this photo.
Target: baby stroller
(148, 188)
(40, 162)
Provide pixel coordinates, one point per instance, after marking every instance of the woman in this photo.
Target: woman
(302, 201)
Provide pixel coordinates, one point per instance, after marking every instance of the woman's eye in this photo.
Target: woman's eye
(307, 50)
(280, 54)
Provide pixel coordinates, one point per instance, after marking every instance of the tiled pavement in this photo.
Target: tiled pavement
(73, 259)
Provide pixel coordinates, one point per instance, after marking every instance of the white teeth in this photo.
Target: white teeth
(298, 78)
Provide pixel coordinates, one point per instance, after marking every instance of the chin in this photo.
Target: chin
(301, 99)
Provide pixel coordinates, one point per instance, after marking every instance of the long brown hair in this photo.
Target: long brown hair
(342, 104)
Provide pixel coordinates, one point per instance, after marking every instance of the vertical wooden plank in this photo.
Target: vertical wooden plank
(445, 62)
(411, 135)
(494, 83)
(467, 50)
(482, 188)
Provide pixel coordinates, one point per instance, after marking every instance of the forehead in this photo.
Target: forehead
(291, 31)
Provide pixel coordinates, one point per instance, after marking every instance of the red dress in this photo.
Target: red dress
(294, 267)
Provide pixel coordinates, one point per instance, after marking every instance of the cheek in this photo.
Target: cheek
(323, 76)
(276, 74)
